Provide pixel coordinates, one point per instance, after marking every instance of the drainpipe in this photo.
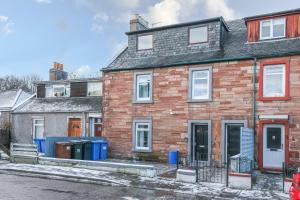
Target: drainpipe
(254, 99)
(254, 94)
(83, 124)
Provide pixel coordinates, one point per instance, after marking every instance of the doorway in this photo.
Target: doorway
(74, 127)
(200, 140)
(231, 137)
(273, 145)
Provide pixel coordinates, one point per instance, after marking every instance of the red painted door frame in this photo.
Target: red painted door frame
(260, 140)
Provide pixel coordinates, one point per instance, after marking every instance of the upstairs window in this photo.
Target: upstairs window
(274, 81)
(94, 89)
(57, 91)
(145, 42)
(273, 28)
(200, 84)
(143, 87)
(198, 35)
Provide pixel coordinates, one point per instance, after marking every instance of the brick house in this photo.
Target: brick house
(192, 86)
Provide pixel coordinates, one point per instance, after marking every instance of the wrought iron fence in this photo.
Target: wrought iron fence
(288, 170)
(214, 168)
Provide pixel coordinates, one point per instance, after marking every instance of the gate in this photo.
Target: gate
(210, 168)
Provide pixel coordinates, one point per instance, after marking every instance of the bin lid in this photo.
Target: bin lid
(173, 151)
(75, 141)
(97, 141)
(63, 143)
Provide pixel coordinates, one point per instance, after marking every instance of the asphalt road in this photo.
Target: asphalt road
(13, 187)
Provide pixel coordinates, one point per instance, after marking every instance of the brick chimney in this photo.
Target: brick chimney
(137, 23)
(57, 72)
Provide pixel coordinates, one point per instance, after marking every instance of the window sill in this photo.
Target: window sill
(142, 150)
(199, 100)
(142, 102)
(287, 98)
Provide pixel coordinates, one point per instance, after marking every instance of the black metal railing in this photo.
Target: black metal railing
(214, 167)
(288, 170)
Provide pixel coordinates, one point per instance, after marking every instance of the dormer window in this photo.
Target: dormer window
(198, 35)
(272, 28)
(57, 91)
(145, 42)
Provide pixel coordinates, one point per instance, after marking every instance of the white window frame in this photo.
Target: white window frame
(137, 122)
(192, 97)
(283, 81)
(91, 83)
(139, 38)
(198, 42)
(92, 125)
(271, 29)
(136, 97)
(52, 94)
(34, 125)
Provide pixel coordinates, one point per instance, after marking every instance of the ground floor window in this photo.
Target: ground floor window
(142, 135)
(38, 128)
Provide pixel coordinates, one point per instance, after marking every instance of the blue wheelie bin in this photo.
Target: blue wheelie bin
(173, 155)
(95, 149)
(41, 145)
(103, 151)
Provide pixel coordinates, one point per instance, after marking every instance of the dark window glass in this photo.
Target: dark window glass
(274, 138)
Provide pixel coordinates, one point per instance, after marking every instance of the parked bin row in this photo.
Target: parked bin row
(81, 149)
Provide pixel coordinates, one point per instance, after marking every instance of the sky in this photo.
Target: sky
(85, 35)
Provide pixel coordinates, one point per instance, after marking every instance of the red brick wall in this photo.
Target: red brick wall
(232, 99)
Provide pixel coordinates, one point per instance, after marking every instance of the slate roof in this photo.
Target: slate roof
(61, 105)
(235, 48)
(69, 81)
(12, 98)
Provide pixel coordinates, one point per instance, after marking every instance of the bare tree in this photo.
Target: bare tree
(12, 82)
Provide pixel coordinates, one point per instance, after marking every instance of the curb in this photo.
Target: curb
(36, 174)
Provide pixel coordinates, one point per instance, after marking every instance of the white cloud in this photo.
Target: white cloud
(80, 72)
(3, 18)
(219, 7)
(6, 26)
(7, 29)
(173, 11)
(101, 17)
(98, 28)
(127, 4)
(164, 12)
(43, 1)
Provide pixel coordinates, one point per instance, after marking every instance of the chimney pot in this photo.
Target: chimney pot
(138, 23)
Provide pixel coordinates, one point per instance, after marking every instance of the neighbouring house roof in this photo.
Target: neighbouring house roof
(69, 81)
(13, 98)
(235, 47)
(61, 105)
(273, 14)
(181, 25)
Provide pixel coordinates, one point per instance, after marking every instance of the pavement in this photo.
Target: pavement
(160, 187)
(16, 187)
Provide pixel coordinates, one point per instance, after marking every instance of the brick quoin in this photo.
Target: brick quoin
(232, 100)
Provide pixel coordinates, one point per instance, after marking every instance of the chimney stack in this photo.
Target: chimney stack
(57, 72)
(137, 23)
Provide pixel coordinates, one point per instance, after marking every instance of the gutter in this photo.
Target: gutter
(205, 61)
